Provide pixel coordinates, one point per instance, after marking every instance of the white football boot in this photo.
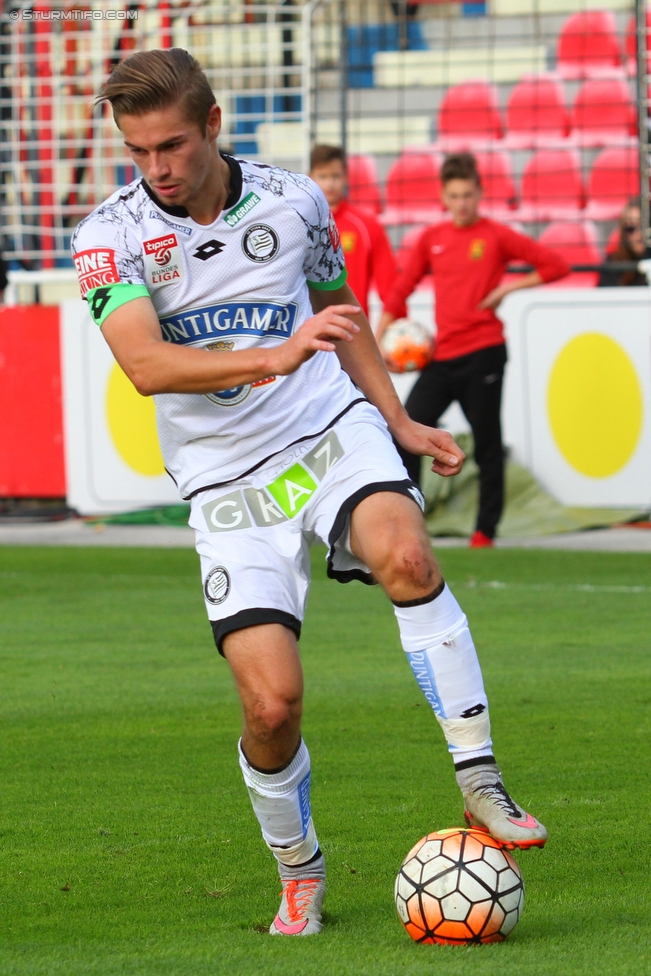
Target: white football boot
(300, 908)
(489, 806)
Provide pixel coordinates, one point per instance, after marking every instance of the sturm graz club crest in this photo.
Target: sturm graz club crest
(217, 585)
(260, 243)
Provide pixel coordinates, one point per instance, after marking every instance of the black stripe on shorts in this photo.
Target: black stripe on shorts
(406, 487)
(252, 617)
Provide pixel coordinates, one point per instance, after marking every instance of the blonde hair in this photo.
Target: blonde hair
(151, 80)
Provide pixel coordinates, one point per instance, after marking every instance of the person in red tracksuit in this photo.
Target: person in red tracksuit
(366, 247)
(468, 256)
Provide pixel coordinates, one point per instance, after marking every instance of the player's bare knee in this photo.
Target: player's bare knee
(411, 565)
(267, 718)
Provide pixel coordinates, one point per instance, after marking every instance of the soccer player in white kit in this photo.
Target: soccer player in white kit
(220, 286)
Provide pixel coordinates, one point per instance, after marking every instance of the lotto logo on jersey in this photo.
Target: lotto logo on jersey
(163, 259)
(96, 267)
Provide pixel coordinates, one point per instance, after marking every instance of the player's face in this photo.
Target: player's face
(177, 160)
(331, 177)
(461, 198)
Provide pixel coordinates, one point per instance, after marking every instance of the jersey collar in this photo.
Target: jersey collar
(233, 196)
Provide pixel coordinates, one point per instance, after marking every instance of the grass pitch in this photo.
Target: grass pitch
(127, 843)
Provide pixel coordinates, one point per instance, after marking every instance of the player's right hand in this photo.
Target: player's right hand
(317, 334)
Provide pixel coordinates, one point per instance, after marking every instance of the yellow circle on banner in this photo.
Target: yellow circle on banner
(132, 423)
(595, 405)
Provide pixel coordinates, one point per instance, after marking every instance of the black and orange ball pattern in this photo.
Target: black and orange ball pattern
(459, 887)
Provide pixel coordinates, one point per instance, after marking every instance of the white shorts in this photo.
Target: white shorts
(253, 536)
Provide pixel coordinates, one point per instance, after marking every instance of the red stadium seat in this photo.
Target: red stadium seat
(469, 117)
(499, 196)
(578, 242)
(413, 190)
(363, 185)
(588, 46)
(604, 114)
(536, 114)
(552, 188)
(614, 179)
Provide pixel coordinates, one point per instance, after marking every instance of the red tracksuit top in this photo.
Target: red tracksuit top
(368, 254)
(467, 263)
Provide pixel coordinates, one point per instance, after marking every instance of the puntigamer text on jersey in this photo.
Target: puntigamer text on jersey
(243, 318)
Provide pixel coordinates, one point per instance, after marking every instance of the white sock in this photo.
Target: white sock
(441, 653)
(281, 802)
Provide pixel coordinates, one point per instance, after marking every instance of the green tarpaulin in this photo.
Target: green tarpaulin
(451, 504)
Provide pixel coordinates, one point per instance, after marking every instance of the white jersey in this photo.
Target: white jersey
(239, 282)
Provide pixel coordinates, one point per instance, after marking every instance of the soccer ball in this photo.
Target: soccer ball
(409, 345)
(459, 887)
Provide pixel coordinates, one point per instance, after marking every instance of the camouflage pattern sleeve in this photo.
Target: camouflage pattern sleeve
(106, 249)
(324, 265)
(108, 258)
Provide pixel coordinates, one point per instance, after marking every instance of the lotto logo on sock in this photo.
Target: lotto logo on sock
(475, 710)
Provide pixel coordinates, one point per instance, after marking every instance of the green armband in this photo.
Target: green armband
(329, 285)
(104, 300)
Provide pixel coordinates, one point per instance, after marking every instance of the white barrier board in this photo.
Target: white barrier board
(113, 461)
(577, 404)
(576, 411)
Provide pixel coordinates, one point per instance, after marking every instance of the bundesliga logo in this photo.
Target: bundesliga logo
(160, 255)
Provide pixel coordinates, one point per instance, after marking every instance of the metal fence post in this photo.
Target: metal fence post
(643, 118)
(343, 74)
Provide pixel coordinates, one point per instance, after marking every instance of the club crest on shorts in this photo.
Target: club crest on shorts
(217, 585)
(417, 495)
(260, 243)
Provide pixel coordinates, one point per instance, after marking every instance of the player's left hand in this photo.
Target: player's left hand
(432, 442)
(493, 298)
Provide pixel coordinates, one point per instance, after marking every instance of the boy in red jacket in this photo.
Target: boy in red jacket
(468, 256)
(366, 247)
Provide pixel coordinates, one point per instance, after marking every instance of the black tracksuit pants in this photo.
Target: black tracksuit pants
(475, 381)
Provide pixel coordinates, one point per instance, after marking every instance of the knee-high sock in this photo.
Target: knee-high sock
(440, 650)
(281, 802)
